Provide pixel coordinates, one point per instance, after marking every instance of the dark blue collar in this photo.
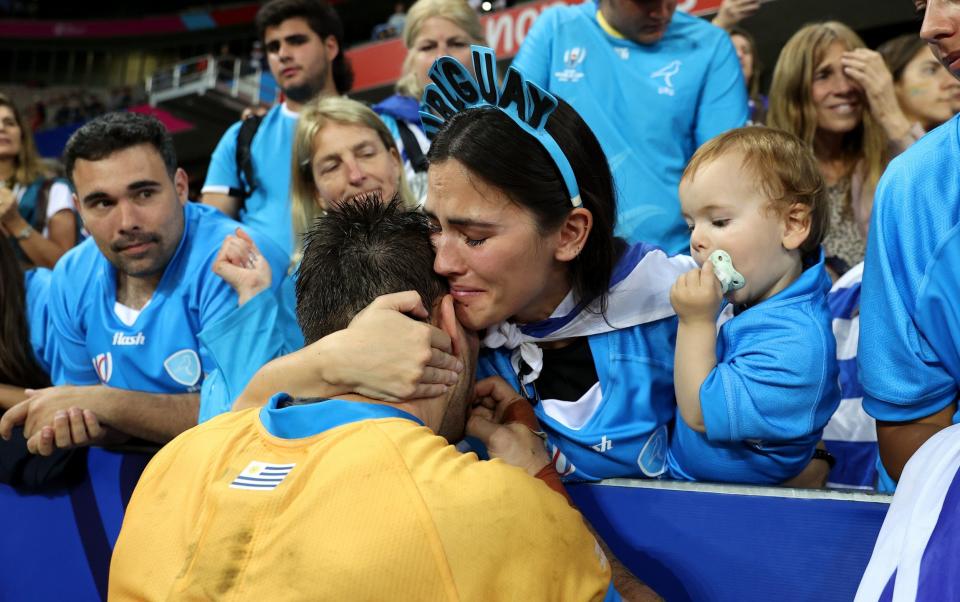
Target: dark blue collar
(306, 420)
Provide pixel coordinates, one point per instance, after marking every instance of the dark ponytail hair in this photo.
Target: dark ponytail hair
(18, 365)
(497, 150)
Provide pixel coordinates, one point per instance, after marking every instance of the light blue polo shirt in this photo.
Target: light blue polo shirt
(650, 106)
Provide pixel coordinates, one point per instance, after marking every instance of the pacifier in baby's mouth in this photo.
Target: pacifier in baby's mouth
(730, 279)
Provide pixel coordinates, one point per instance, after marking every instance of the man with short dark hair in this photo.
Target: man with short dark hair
(653, 84)
(134, 309)
(353, 498)
(304, 44)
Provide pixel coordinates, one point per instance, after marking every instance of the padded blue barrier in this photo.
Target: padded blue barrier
(57, 546)
(717, 543)
(687, 541)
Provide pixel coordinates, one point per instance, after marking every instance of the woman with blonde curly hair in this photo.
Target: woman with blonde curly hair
(36, 210)
(341, 151)
(838, 96)
(433, 28)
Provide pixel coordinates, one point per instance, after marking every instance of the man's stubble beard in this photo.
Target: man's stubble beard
(308, 90)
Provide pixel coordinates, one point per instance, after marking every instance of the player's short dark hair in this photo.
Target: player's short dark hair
(107, 134)
(358, 251)
(322, 19)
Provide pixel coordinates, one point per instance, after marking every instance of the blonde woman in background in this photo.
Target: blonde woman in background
(433, 28)
(36, 210)
(341, 151)
(838, 96)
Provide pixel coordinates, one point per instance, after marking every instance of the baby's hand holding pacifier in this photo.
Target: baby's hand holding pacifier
(696, 295)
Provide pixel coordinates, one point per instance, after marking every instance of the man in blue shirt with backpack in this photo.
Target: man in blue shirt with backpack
(249, 174)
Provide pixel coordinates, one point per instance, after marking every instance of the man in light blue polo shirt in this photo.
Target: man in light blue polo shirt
(653, 85)
(136, 311)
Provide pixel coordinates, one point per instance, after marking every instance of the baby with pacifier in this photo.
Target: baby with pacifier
(756, 382)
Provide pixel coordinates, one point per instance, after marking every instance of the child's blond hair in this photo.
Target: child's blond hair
(785, 168)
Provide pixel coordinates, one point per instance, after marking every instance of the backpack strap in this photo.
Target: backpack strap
(42, 202)
(412, 147)
(28, 202)
(245, 168)
(33, 209)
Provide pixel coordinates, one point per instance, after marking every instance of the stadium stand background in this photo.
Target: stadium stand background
(69, 56)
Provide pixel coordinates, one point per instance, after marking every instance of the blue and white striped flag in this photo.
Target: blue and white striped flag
(851, 434)
(261, 476)
(639, 293)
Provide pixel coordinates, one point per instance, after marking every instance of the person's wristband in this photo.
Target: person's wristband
(549, 475)
(822, 454)
(24, 234)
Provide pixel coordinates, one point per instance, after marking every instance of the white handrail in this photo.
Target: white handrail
(231, 76)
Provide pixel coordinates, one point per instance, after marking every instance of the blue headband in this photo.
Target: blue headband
(527, 104)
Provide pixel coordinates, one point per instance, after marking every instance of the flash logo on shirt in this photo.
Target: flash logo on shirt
(604, 445)
(130, 340)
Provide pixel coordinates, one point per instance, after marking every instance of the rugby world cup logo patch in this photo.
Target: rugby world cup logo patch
(574, 56)
(563, 465)
(103, 364)
(572, 60)
(184, 367)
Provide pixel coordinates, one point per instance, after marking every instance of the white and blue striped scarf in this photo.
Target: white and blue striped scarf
(639, 293)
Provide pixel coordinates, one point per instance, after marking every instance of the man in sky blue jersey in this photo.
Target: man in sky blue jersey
(135, 309)
(304, 42)
(909, 356)
(653, 85)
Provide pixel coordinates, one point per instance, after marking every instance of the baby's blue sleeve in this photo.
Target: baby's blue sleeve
(775, 387)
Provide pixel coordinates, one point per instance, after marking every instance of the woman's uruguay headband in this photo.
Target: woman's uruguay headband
(455, 90)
